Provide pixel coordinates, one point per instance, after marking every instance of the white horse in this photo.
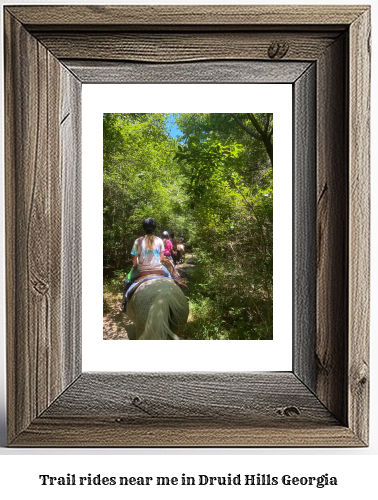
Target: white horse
(158, 309)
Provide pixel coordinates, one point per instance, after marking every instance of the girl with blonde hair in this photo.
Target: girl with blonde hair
(147, 252)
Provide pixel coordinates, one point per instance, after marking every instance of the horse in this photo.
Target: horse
(174, 255)
(168, 263)
(181, 249)
(159, 310)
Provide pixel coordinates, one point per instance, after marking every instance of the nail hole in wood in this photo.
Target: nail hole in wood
(136, 400)
(40, 287)
(277, 50)
(289, 411)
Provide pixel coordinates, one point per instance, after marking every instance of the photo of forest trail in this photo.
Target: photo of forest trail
(207, 177)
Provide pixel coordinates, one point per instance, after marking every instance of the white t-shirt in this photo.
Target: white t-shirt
(148, 259)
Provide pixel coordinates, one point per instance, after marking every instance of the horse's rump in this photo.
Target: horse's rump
(159, 310)
(181, 249)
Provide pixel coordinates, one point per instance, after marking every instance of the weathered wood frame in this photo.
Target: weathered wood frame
(49, 53)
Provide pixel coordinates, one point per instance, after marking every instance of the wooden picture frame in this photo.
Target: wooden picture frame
(324, 52)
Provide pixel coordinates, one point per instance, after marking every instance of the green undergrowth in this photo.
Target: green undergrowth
(112, 289)
(222, 306)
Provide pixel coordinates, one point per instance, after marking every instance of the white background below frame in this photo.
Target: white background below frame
(231, 355)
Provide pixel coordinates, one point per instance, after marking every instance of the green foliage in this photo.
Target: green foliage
(224, 301)
(232, 206)
(141, 179)
(215, 185)
(112, 289)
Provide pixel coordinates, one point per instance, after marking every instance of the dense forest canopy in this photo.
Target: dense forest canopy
(214, 184)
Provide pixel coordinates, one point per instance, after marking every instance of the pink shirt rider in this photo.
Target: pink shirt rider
(168, 247)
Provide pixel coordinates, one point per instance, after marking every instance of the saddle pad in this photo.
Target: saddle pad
(136, 284)
(149, 274)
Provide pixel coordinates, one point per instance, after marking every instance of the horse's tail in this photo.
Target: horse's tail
(165, 313)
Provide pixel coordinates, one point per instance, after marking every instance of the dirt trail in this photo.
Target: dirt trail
(117, 326)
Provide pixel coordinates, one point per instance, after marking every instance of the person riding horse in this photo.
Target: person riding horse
(147, 252)
(167, 246)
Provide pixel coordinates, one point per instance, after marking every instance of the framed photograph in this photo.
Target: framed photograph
(236, 302)
(207, 188)
(324, 53)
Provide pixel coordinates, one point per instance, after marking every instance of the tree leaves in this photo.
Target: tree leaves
(141, 179)
(230, 187)
(214, 184)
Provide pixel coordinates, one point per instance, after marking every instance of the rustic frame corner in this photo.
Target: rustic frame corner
(49, 52)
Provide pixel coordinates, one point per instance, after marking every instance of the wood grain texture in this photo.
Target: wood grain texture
(332, 230)
(180, 47)
(32, 189)
(304, 227)
(100, 432)
(359, 226)
(184, 16)
(235, 397)
(323, 402)
(186, 410)
(33, 227)
(202, 72)
(70, 144)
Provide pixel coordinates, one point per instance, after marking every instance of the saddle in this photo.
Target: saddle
(146, 275)
(149, 274)
(141, 280)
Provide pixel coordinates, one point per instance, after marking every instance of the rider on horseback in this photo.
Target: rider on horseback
(167, 246)
(147, 252)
